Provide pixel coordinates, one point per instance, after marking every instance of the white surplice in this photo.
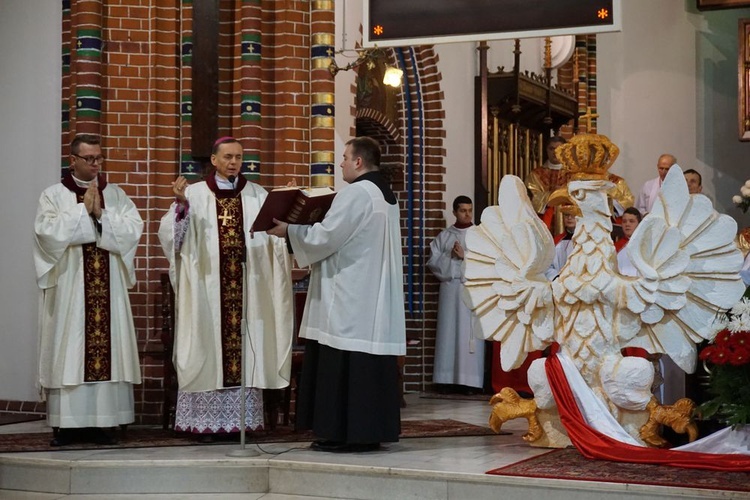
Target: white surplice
(624, 265)
(62, 226)
(355, 301)
(459, 357)
(647, 196)
(563, 249)
(204, 404)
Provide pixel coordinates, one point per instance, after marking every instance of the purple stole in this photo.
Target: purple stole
(229, 222)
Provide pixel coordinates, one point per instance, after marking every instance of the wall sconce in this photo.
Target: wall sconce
(368, 57)
(392, 76)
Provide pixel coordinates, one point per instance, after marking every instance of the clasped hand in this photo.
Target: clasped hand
(457, 252)
(92, 201)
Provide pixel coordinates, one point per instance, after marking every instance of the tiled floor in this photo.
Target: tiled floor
(452, 467)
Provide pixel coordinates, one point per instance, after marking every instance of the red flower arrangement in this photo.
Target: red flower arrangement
(727, 360)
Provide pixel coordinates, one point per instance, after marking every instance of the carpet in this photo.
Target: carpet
(458, 397)
(16, 418)
(570, 464)
(148, 437)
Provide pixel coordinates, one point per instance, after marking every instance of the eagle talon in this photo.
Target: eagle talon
(508, 405)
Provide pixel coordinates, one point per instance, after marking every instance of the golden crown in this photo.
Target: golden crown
(588, 156)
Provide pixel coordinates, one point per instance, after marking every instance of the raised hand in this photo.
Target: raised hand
(178, 187)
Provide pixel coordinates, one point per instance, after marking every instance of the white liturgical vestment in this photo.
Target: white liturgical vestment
(355, 301)
(647, 196)
(62, 226)
(459, 357)
(195, 275)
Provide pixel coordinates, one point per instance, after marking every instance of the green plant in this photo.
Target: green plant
(727, 359)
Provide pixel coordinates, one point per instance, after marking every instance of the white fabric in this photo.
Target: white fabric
(62, 226)
(624, 265)
(594, 410)
(211, 412)
(194, 270)
(724, 441)
(563, 249)
(598, 417)
(647, 196)
(459, 356)
(98, 404)
(355, 300)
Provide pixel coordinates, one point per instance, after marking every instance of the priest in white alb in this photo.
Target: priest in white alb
(205, 235)
(86, 233)
(459, 357)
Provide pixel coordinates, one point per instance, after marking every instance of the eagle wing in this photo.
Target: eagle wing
(505, 287)
(688, 267)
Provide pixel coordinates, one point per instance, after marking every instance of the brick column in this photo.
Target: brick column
(65, 87)
(322, 88)
(591, 97)
(248, 118)
(581, 79)
(188, 167)
(86, 66)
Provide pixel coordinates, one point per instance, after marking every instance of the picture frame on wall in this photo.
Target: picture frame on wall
(743, 79)
(721, 4)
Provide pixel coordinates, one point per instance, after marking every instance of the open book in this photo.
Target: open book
(294, 205)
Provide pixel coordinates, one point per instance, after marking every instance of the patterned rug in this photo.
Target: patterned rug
(147, 437)
(570, 464)
(457, 397)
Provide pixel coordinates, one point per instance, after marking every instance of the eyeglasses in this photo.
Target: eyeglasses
(91, 159)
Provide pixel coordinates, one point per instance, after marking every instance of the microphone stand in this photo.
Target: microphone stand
(242, 451)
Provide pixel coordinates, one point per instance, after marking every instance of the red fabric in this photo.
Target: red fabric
(560, 237)
(637, 352)
(620, 244)
(515, 378)
(548, 216)
(595, 445)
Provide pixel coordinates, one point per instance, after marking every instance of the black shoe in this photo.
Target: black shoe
(361, 448)
(97, 435)
(357, 448)
(63, 437)
(326, 445)
(339, 447)
(206, 438)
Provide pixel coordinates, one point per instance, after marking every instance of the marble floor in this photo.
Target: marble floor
(416, 468)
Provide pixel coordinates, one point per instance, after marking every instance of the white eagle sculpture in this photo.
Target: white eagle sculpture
(688, 267)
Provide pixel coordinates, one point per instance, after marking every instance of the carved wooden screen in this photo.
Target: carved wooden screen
(513, 149)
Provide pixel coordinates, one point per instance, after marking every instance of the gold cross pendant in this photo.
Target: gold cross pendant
(225, 218)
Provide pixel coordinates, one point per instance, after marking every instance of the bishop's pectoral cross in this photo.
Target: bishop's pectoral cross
(225, 217)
